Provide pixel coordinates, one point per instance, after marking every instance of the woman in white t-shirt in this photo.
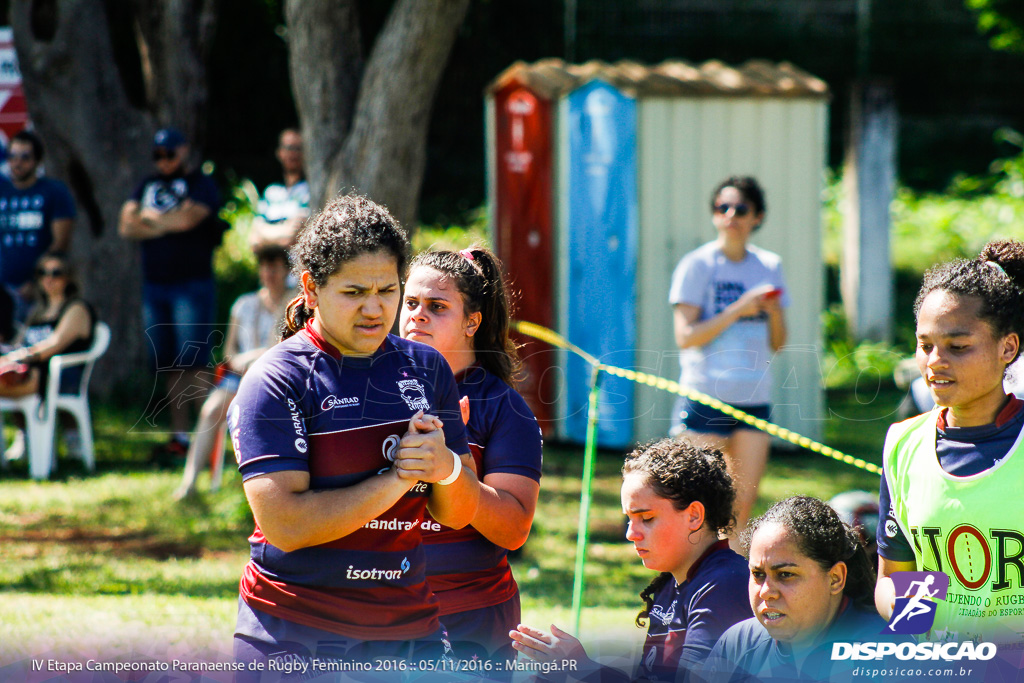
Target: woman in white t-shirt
(728, 297)
(255, 326)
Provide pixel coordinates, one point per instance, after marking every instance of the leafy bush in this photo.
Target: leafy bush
(848, 364)
(434, 237)
(927, 228)
(234, 265)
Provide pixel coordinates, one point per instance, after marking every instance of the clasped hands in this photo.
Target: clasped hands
(422, 454)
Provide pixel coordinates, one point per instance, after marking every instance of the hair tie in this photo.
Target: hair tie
(996, 266)
(467, 254)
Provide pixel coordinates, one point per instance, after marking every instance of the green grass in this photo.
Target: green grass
(108, 562)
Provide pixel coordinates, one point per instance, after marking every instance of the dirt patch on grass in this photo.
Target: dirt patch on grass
(118, 543)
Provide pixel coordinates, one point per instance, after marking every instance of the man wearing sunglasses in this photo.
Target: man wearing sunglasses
(173, 216)
(36, 215)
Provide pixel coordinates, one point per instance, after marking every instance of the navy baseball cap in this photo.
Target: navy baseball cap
(168, 138)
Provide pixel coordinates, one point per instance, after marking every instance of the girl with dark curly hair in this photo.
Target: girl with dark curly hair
(345, 436)
(947, 498)
(678, 499)
(811, 584)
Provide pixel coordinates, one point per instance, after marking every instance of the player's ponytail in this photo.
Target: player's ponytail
(295, 317)
(648, 594)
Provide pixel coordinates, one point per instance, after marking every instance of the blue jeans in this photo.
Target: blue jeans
(179, 321)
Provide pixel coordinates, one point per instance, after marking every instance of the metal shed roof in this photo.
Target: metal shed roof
(552, 78)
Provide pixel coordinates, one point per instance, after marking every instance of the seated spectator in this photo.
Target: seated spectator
(255, 326)
(811, 584)
(284, 206)
(59, 322)
(679, 500)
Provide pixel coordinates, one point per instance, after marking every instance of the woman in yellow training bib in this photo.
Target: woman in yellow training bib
(948, 493)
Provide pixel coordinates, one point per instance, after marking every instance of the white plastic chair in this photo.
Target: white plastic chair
(40, 421)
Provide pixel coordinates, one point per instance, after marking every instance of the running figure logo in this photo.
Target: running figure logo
(914, 612)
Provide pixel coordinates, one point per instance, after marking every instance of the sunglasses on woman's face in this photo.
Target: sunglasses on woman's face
(50, 272)
(738, 209)
(163, 154)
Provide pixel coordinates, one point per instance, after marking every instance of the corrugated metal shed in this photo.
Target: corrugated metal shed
(697, 124)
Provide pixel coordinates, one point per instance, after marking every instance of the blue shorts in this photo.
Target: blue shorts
(690, 416)
(274, 649)
(482, 634)
(179, 321)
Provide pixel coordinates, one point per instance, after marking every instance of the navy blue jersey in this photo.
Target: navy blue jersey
(305, 407)
(747, 653)
(466, 570)
(180, 256)
(26, 225)
(688, 618)
(962, 452)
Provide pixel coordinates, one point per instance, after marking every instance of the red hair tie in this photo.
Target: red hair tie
(467, 254)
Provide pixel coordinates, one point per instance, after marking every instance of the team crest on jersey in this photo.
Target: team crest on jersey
(413, 394)
(664, 616)
(165, 196)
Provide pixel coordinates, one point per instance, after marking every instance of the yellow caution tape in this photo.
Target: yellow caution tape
(551, 337)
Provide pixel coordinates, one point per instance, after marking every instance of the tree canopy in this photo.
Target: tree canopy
(1002, 21)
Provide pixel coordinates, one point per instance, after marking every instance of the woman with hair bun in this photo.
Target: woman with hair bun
(345, 437)
(811, 584)
(947, 498)
(678, 498)
(457, 303)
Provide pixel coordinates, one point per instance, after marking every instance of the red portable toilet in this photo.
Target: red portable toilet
(520, 154)
(13, 109)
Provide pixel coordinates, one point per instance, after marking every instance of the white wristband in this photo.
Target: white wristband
(456, 471)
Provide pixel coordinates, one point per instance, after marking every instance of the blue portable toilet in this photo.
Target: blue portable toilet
(636, 149)
(597, 258)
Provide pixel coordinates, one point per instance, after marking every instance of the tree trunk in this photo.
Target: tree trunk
(99, 144)
(384, 147)
(174, 40)
(325, 58)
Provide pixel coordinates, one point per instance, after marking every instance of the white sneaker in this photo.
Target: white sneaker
(73, 443)
(16, 451)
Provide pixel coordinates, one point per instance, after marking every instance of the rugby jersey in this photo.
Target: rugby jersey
(961, 452)
(688, 618)
(466, 571)
(303, 406)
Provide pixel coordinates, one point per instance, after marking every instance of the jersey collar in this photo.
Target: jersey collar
(319, 342)
(1009, 411)
(722, 544)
